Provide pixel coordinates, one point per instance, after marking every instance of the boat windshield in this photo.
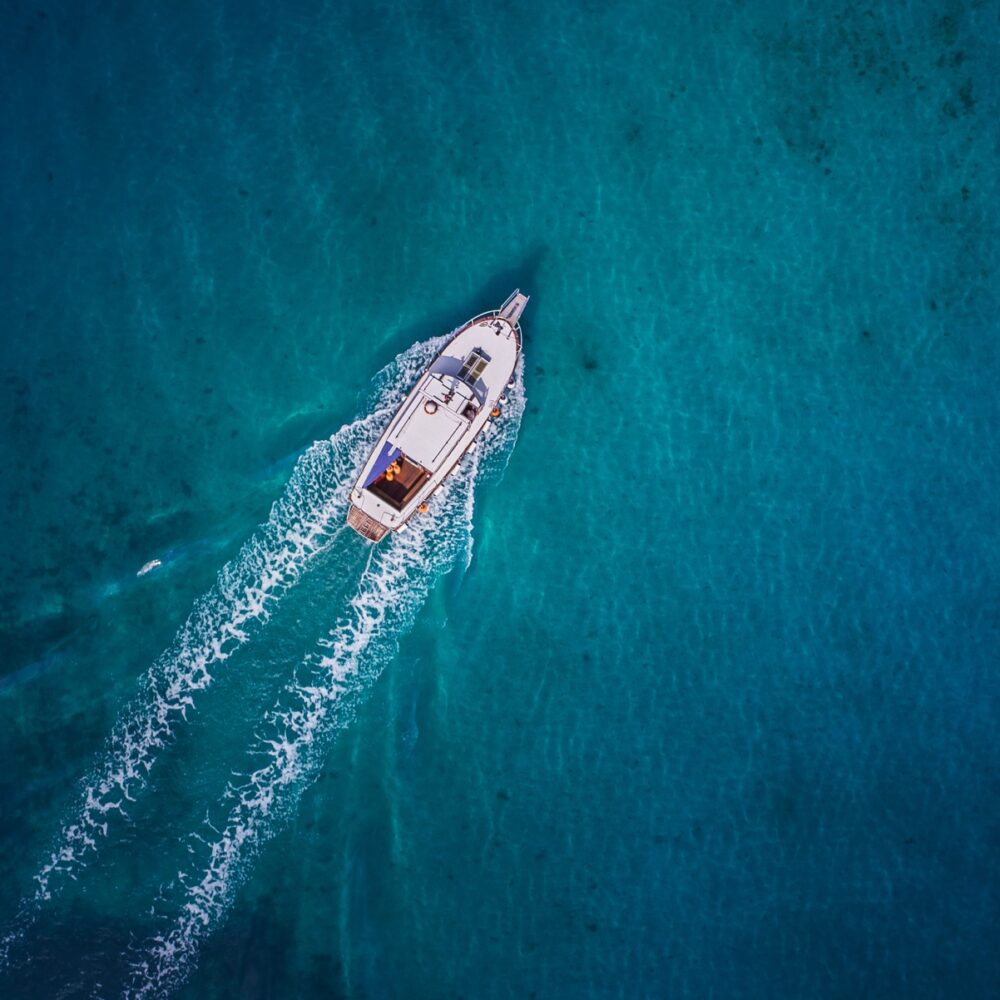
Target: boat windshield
(399, 483)
(474, 366)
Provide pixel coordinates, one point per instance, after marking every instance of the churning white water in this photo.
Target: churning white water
(299, 730)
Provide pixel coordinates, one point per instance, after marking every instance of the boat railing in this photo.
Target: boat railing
(492, 314)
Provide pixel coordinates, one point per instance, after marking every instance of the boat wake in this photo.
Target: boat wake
(302, 523)
(298, 731)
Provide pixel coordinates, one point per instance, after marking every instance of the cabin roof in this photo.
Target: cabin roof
(424, 436)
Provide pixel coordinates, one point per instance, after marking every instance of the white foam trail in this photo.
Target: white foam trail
(302, 523)
(298, 731)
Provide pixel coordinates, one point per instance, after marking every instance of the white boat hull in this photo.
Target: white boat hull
(438, 422)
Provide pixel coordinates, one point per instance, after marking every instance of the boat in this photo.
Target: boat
(459, 393)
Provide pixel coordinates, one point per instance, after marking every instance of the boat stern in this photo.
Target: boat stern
(366, 526)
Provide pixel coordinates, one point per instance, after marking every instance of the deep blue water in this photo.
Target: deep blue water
(710, 711)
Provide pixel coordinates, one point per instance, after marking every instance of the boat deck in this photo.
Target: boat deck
(402, 484)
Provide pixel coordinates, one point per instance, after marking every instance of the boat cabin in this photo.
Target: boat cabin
(428, 427)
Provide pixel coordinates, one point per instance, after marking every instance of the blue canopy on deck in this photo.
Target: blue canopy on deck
(386, 457)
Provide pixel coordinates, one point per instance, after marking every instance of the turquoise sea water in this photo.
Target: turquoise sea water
(688, 688)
